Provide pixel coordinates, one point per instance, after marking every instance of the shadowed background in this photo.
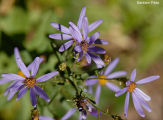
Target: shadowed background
(134, 32)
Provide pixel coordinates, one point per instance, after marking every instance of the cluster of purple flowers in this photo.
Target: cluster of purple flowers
(83, 45)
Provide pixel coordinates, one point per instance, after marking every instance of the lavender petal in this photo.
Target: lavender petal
(30, 66)
(80, 20)
(120, 92)
(22, 92)
(88, 58)
(46, 77)
(97, 50)
(68, 114)
(45, 118)
(142, 94)
(41, 93)
(112, 87)
(126, 104)
(148, 79)
(111, 66)
(99, 41)
(60, 36)
(93, 38)
(80, 56)
(60, 27)
(75, 32)
(35, 67)
(137, 105)
(20, 63)
(78, 48)
(65, 46)
(91, 82)
(94, 25)
(11, 76)
(96, 59)
(4, 80)
(98, 91)
(143, 103)
(33, 97)
(117, 74)
(133, 75)
(85, 28)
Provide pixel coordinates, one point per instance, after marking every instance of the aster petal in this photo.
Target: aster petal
(112, 87)
(30, 66)
(96, 59)
(88, 58)
(94, 25)
(93, 38)
(20, 63)
(13, 90)
(45, 118)
(4, 80)
(98, 91)
(99, 41)
(75, 32)
(111, 66)
(33, 97)
(78, 48)
(148, 79)
(85, 28)
(143, 103)
(137, 105)
(11, 76)
(117, 74)
(41, 93)
(60, 36)
(120, 92)
(142, 94)
(96, 49)
(68, 114)
(46, 76)
(126, 104)
(35, 67)
(133, 75)
(22, 92)
(80, 20)
(65, 46)
(91, 82)
(60, 27)
(13, 85)
(80, 56)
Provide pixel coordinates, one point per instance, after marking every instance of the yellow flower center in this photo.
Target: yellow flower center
(102, 82)
(131, 87)
(21, 74)
(30, 82)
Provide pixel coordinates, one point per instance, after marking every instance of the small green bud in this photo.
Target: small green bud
(62, 66)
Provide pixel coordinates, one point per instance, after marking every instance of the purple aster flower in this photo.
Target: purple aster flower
(85, 45)
(25, 80)
(71, 37)
(105, 75)
(138, 96)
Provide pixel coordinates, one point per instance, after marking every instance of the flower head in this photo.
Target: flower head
(101, 79)
(25, 79)
(71, 35)
(138, 96)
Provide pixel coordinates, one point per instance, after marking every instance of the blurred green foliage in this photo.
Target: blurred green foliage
(26, 24)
